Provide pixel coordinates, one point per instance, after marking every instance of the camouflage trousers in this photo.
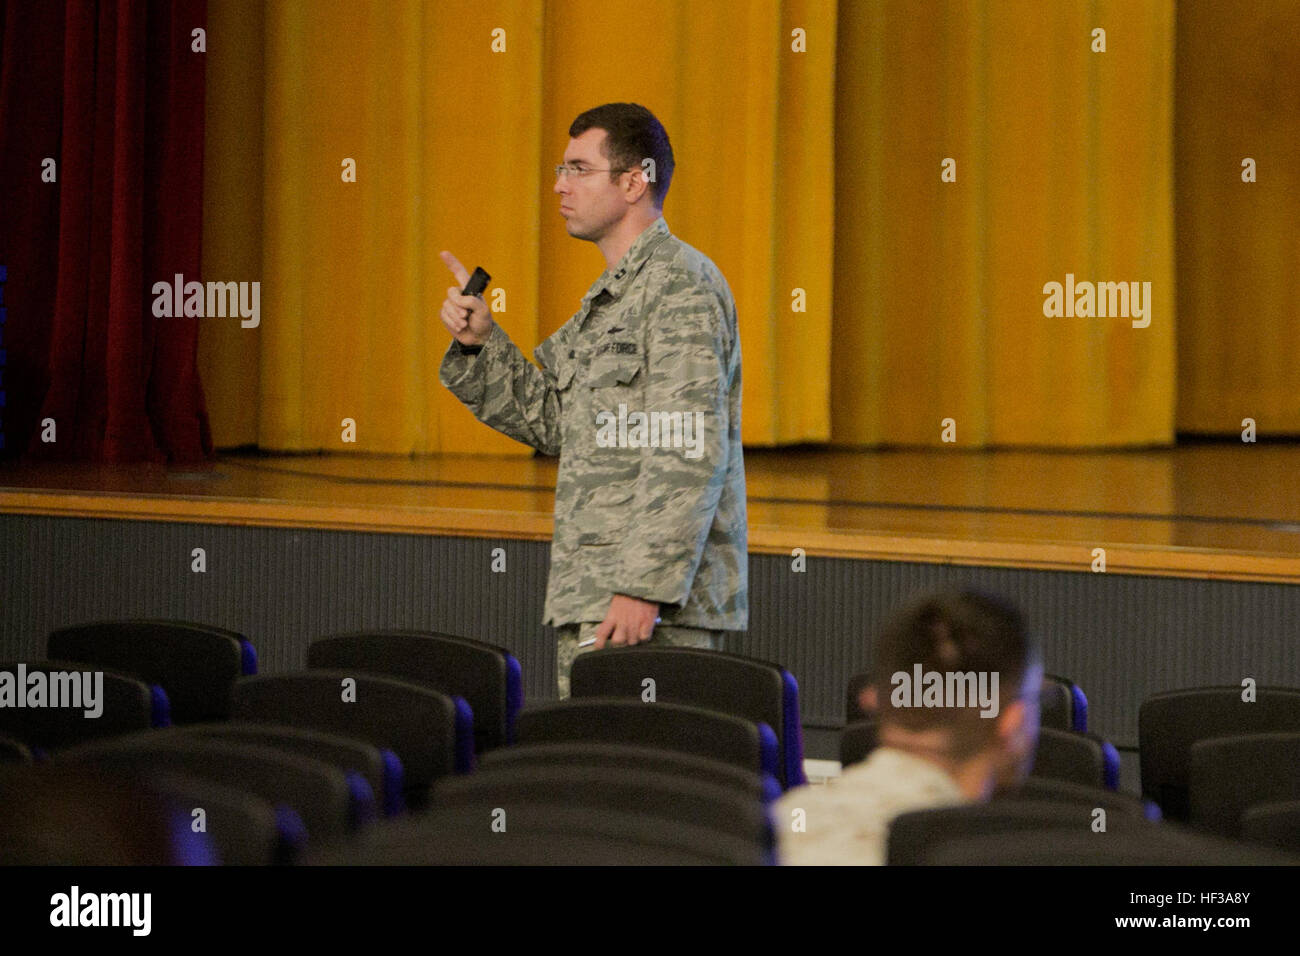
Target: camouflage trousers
(569, 636)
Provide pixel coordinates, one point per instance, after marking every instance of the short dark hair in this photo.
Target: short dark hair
(632, 134)
(954, 631)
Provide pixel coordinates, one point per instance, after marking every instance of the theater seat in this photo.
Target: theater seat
(486, 676)
(128, 705)
(1155, 846)
(195, 664)
(581, 756)
(1085, 759)
(245, 829)
(665, 798)
(380, 767)
(327, 800)
(1171, 722)
(675, 727)
(744, 687)
(912, 836)
(430, 732)
(1228, 775)
(540, 835)
(56, 814)
(1274, 825)
(14, 751)
(1062, 705)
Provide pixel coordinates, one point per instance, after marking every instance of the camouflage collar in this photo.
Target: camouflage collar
(615, 280)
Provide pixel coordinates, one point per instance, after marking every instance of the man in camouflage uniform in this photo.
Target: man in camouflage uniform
(639, 395)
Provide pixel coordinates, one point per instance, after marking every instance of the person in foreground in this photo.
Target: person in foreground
(955, 694)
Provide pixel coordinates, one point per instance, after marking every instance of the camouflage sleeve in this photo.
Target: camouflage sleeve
(688, 353)
(506, 391)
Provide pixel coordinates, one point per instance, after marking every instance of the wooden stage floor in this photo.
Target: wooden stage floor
(1225, 511)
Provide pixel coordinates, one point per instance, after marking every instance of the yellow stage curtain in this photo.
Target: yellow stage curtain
(810, 139)
(1063, 166)
(454, 144)
(1238, 242)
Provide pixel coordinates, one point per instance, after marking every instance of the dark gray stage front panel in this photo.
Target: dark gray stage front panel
(1121, 638)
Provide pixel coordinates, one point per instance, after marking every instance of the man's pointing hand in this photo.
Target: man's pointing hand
(466, 317)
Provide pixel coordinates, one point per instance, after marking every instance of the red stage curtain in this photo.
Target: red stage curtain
(113, 91)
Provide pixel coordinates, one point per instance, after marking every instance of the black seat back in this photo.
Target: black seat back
(13, 750)
(1152, 846)
(1169, 723)
(318, 792)
(744, 687)
(1228, 775)
(127, 705)
(1274, 825)
(193, 663)
(581, 756)
(542, 835)
(347, 753)
(665, 797)
(245, 829)
(53, 814)
(484, 675)
(689, 730)
(912, 835)
(1085, 759)
(1062, 705)
(418, 724)
(1061, 791)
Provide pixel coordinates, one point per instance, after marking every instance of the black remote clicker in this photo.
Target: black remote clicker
(477, 282)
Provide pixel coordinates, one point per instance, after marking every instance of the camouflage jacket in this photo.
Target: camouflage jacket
(639, 395)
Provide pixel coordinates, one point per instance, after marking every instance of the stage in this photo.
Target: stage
(1199, 544)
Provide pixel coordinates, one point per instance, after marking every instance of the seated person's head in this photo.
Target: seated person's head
(957, 678)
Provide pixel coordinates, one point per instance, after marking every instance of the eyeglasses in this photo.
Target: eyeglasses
(565, 169)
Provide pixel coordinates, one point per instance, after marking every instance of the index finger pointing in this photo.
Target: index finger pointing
(458, 270)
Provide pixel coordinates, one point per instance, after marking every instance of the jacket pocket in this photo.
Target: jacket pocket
(608, 371)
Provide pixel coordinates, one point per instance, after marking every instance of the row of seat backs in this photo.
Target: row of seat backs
(429, 731)
(1201, 751)
(198, 666)
(1062, 704)
(264, 788)
(314, 781)
(523, 810)
(85, 813)
(741, 687)
(1084, 759)
(1059, 832)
